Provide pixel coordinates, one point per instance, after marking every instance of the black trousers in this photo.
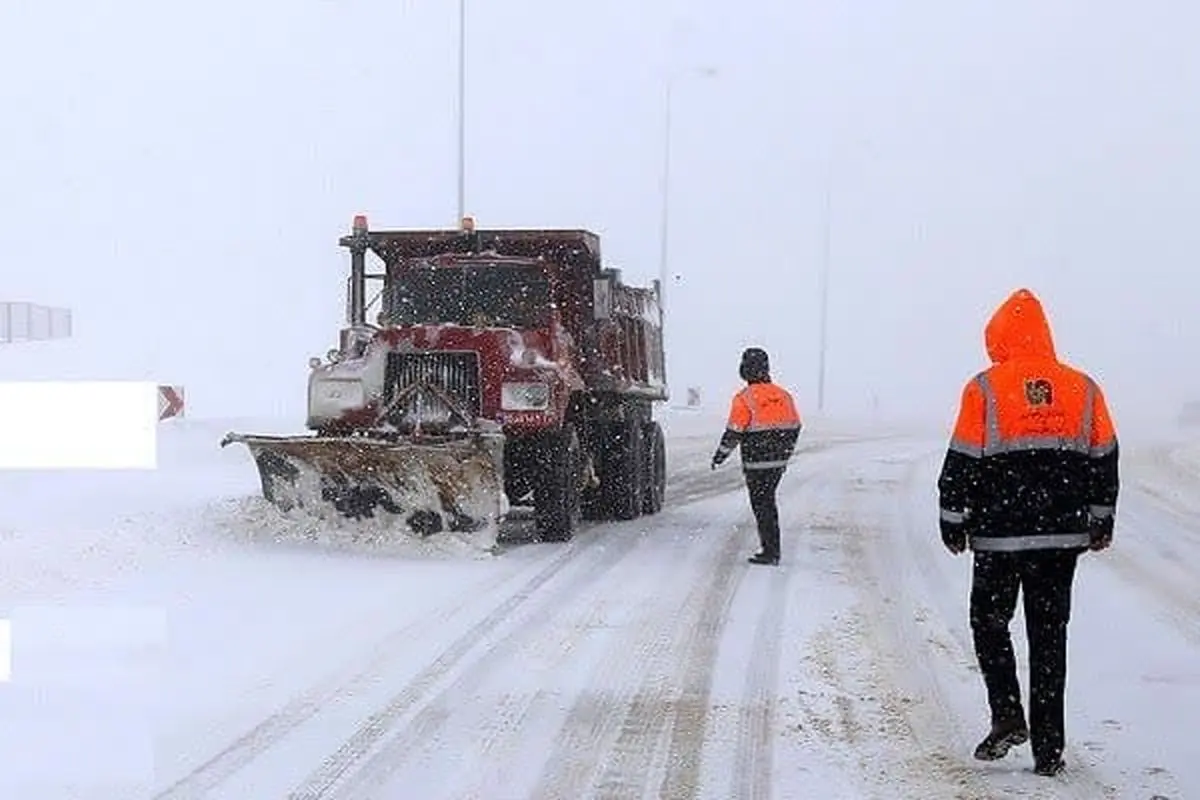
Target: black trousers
(1045, 578)
(762, 485)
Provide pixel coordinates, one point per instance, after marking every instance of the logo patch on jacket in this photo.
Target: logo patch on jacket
(1039, 392)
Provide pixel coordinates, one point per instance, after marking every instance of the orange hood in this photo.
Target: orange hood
(1019, 329)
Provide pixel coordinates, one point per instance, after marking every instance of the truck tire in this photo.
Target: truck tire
(627, 475)
(656, 469)
(594, 503)
(556, 497)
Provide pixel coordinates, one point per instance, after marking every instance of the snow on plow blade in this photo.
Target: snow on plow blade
(446, 485)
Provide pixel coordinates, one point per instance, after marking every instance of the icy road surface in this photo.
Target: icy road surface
(642, 659)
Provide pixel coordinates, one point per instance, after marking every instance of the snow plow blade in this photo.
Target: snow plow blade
(450, 484)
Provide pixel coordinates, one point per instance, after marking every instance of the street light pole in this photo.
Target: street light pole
(462, 109)
(826, 247)
(664, 225)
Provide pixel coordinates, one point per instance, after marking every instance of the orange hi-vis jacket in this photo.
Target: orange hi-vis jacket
(1033, 459)
(762, 419)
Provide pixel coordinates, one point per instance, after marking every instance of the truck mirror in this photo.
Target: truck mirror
(602, 298)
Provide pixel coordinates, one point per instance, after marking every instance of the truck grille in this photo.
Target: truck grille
(455, 373)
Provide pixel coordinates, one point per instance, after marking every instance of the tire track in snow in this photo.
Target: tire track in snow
(899, 642)
(753, 759)
(666, 602)
(496, 738)
(535, 705)
(1160, 569)
(690, 722)
(656, 703)
(1156, 480)
(886, 713)
(1169, 461)
(595, 715)
(629, 724)
(1178, 606)
(690, 717)
(340, 773)
(1181, 520)
(857, 701)
(243, 750)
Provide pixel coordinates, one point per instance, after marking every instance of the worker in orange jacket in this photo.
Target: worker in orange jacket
(1029, 482)
(764, 421)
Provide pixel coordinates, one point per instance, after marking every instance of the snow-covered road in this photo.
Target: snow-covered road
(642, 659)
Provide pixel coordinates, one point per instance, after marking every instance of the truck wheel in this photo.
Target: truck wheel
(556, 498)
(628, 470)
(656, 469)
(594, 503)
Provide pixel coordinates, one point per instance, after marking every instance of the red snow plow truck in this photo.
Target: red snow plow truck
(503, 368)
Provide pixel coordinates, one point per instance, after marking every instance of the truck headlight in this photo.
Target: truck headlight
(524, 396)
(338, 395)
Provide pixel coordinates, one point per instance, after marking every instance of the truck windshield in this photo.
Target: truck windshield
(494, 296)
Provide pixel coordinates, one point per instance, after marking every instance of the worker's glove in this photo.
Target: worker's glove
(954, 533)
(717, 459)
(954, 537)
(1100, 532)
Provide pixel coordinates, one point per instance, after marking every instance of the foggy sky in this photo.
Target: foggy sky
(179, 175)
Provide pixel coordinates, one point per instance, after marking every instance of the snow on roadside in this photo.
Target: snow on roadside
(249, 619)
(254, 520)
(1165, 473)
(63, 531)
(1188, 457)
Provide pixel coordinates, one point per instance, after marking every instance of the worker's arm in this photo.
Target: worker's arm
(961, 469)
(735, 428)
(1105, 479)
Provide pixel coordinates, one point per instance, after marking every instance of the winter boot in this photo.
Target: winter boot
(1004, 735)
(763, 558)
(1049, 767)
